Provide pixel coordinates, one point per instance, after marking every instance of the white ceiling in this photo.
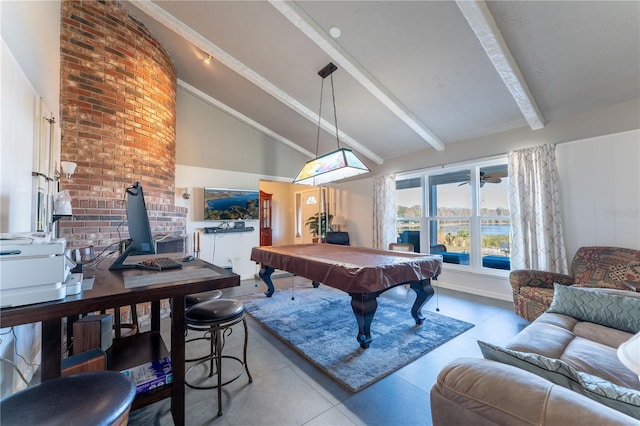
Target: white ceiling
(412, 75)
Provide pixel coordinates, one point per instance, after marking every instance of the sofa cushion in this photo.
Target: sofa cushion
(611, 310)
(585, 346)
(556, 371)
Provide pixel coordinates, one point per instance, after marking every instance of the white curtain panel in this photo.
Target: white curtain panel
(537, 239)
(384, 211)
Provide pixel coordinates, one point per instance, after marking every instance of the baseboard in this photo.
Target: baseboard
(474, 291)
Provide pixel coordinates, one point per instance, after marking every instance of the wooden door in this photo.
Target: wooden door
(266, 233)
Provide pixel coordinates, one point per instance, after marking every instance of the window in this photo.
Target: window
(466, 218)
(409, 208)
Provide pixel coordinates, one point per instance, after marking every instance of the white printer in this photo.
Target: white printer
(33, 269)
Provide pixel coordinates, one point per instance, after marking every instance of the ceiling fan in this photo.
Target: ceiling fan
(486, 177)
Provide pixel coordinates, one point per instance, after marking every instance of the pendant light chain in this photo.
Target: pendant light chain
(319, 117)
(337, 165)
(335, 113)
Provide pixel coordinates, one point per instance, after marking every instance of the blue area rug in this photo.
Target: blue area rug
(320, 324)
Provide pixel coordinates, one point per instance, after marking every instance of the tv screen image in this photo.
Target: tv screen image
(231, 204)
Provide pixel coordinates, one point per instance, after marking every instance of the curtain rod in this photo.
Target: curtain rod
(458, 163)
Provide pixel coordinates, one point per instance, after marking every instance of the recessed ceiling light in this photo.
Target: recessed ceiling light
(208, 59)
(335, 32)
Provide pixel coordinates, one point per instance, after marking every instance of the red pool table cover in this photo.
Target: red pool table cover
(348, 268)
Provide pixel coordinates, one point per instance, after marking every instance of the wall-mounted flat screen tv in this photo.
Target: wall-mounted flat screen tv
(231, 204)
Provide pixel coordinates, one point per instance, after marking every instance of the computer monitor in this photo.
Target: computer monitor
(139, 228)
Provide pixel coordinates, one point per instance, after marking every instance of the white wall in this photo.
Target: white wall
(209, 138)
(598, 122)
(219, 249)
(31, 30)
(19, 136)
(30, 58)
(20, 107)
(354, 200)
(600, 180)
(283, 210)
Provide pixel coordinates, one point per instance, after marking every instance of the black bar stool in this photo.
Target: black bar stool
(191, 300)
(94, 398)
(194, 299)
(218, 316)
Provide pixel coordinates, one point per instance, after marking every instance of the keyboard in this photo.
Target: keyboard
(159, 264)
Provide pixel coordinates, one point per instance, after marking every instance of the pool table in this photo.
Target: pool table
(363, 273)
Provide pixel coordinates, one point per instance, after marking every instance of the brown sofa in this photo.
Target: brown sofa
(558, 371)
(472, 391)
(603, 267)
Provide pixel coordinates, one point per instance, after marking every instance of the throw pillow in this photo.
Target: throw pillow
(554, 370)
(557, 371)
(617, 397)
(611, 310)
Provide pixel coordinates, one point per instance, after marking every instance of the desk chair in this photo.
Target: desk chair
(335, 237)
(438, 248)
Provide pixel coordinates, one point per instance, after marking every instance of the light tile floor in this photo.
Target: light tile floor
(289, 390)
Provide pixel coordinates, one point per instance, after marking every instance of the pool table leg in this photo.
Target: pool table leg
(424, 292)
(364, 307)
(265, 275)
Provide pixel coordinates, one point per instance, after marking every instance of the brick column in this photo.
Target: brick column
(117, 97)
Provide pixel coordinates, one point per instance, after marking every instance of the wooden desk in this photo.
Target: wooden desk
(115, 288)
(361, 272)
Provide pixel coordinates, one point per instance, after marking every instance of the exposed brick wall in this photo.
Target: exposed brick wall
(117, 99)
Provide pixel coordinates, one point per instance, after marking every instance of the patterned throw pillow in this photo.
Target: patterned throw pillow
(610, 310)
(562, 374)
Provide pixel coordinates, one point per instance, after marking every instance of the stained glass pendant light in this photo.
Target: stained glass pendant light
(339, 164)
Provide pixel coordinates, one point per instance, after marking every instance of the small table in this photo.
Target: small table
(125, 287)
(361, 272)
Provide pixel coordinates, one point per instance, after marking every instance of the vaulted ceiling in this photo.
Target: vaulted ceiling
(412, 75)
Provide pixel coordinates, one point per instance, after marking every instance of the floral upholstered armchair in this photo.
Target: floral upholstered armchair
(603, 267)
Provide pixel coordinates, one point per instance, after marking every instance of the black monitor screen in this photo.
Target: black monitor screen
(139, 228)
